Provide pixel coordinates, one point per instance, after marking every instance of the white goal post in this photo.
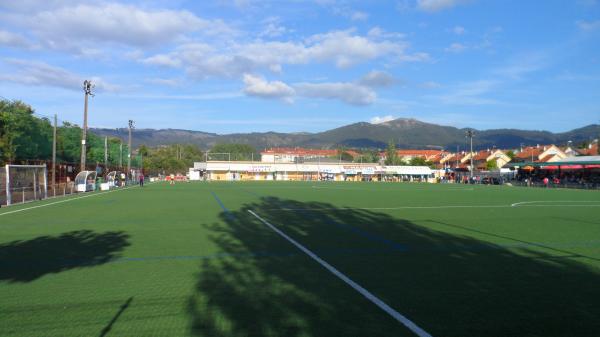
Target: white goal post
(24, 183)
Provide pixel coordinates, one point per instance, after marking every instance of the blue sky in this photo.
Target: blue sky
(301, 65)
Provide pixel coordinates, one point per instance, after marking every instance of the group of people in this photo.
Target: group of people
(589, 179)
(172, 178)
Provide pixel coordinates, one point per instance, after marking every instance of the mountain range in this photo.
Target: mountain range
(405, 132)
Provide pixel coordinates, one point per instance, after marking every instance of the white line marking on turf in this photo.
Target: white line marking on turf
(424, 207)
(374, 299)
(60, 202)
(554, 201)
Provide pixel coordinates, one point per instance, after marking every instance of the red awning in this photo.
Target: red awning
(592, 166)
(571, 167)
(549, 167)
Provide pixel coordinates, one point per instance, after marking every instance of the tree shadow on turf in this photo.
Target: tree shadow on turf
(25, 261)
(448, 284)
(112, 322)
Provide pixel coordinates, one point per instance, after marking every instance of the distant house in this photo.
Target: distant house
(570, 151)
(539, 153)
(481, 158)
(453, 160)
(440, 160)
(407, 155)
(591, 150)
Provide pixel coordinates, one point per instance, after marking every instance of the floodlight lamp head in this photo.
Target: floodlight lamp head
(131, 124)
(88, 86)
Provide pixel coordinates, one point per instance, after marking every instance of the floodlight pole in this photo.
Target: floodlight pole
(105, 153)
(87, 89)
(129, 148)
(532, 154)
(121, 155)
(54, 154)
(470, 135)
(457, 149)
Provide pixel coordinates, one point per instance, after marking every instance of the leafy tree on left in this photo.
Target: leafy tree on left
(23, 136)
(26, 137)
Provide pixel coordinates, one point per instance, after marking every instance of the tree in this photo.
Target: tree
(491, 165)
(236, 151)
(68, 145)
(169, 159)
(420, 161)
(343, 155)
(367, 156)
(23, 136)
(391, 157)
(510, 154)
(143, 150)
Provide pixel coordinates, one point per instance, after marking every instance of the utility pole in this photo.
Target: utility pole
(121, 155)
(87, 89)
(470, 134)
(54, 155)
(129, 149)
(457, 149)
(106, 153)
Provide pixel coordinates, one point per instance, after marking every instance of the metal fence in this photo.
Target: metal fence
(538, 184)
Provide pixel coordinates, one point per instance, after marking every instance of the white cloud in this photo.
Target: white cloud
(456, 48)
(13, 40)
(117, 23)
(350, 93)
(197, 97)
(273, 30)
(522, 64)
(382, 119)
(359, 16)
(437, 5)
(43, 74)
(347, 92)
(469, 93)
(273, 27)
(344, 11)
(403, 6)
(588, 26)
(86, 25)
(343, 48)
(377, 79)
(258, 86)
(378, 32)
(30, 6)
(416, 57)
(170, 82)
(459, 30)
(567, 75)
(162, 60)
(430, 85)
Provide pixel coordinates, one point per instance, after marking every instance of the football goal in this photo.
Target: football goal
(22, 183)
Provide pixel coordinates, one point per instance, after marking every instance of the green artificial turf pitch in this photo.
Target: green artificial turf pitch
(190, 260)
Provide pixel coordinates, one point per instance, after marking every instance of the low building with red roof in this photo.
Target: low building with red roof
(539, 153)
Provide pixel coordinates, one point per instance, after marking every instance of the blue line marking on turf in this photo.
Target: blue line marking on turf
(364, 233)
(252, 193)
(228, 213)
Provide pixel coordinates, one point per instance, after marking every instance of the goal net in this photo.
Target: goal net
(22, 183)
